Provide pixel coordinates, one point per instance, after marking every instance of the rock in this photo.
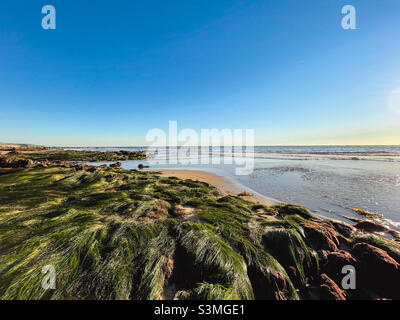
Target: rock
(352, 219)
(288, 248)
(369, 226)
(26, 163)
(329, 290)
(377, 256)
(16, 163)
(343, 228)
(287, 209)
(320, 236)
(333, 263)
(379, 271)
(270, 282)
(116, 165)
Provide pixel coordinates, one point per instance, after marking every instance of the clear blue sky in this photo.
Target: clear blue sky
(112, 70)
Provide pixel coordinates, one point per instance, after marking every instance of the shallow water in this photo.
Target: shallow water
(327, 180)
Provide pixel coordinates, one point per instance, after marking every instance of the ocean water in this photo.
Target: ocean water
(329, 180)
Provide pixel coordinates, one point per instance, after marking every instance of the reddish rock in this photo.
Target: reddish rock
(369, 226)
(329, 290)
(320, 235)
(378, 257)
(379, 271)
(343, 228)
(339, 257)
(333, 263)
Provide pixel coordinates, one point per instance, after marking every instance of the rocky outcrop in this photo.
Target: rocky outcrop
(289, 209)
(16, 163)
(333, 262)
(320, 235)
(343, 228)
(378, 270)
(369, 226)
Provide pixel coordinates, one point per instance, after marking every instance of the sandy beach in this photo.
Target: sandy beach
(221, 183)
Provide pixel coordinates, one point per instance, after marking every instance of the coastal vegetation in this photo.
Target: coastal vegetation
(18, 158)
(111, 233)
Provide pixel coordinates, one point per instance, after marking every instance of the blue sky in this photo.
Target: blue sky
(112, 70)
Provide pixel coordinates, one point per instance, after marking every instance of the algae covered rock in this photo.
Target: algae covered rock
(333, 262)
(289, 248)
(270, 280)
(16, 163)
(378, 270)
(288, 209)
(369, 226)
(342, 227)
(207, 258)
(320, 236)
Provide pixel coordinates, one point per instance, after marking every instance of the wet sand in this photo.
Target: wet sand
(224, 185)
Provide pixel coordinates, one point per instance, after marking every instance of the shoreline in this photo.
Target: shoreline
(222, 183)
